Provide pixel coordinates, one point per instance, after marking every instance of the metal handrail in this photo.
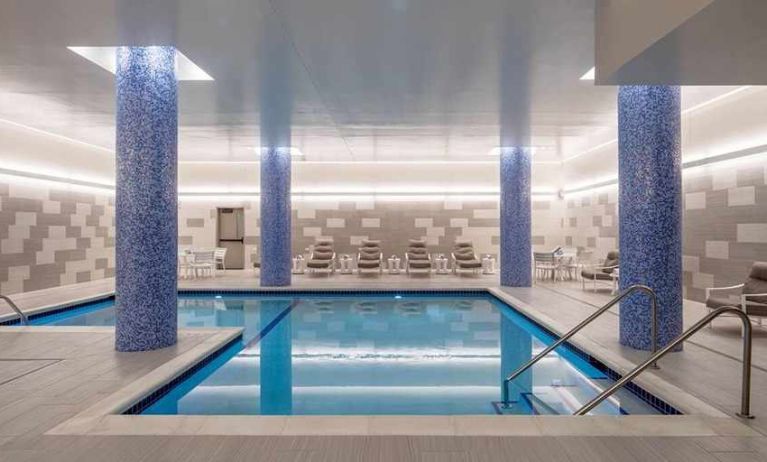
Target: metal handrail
(22, 316)
(745, 398)
(584, 323)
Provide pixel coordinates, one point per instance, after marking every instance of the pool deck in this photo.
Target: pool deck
(51, 377)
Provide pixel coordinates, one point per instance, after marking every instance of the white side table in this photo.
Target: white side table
(394, 264)
(441, 264)
(299, 265)
(347, 264)
(488, 265)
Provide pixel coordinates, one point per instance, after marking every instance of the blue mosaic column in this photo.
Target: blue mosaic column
(515, 217)
(146, 198)
(275, 217)
(650, 210)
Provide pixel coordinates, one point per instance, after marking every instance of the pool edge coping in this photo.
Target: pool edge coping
(105, 418)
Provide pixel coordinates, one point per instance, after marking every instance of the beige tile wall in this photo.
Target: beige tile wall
(53, 236)
(393, 222)
(724, 224)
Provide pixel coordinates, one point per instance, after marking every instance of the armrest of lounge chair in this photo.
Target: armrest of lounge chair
(709, 290)
(598, 269)
(744, 297)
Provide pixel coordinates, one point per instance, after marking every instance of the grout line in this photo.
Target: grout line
(13, 379)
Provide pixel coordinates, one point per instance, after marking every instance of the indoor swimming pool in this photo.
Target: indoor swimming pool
(373, 353)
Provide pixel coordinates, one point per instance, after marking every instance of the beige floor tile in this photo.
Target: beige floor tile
(411, 425)
(240, 425)
(496, 425)
(326, 425)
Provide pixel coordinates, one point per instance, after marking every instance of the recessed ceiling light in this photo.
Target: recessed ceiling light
(590, 74)
(104, 57)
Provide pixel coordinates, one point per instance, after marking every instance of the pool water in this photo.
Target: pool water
(373, 354)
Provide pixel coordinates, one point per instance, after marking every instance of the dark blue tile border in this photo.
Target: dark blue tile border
(61, 309)
(150, 399)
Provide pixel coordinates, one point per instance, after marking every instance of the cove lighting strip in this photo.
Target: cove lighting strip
(56, 179)
(246, 195)
(55, 135)
(373, 195)
(690, 164)
(684, 112)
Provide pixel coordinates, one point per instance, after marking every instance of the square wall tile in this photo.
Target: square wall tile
(718, 249)
(741, 196)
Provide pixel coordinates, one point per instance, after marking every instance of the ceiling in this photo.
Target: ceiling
(351, 80)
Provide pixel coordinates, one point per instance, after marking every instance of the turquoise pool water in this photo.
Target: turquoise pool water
(348, 354)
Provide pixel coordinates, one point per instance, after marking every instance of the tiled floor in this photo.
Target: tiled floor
(47, 377)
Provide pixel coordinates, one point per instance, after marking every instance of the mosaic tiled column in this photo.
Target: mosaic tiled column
(515, 217)
(146, 198)
(275, 217)
(650, 210)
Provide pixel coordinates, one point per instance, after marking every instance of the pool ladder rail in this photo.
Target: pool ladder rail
(652, 361)
(22, 317)
(628, 291)
(745, 396)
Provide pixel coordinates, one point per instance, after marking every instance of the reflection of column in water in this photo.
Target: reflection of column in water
(276, 354)
(516, 350)
(233, 315)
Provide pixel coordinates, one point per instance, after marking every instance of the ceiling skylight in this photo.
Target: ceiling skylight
(104, 57)
(590, 74)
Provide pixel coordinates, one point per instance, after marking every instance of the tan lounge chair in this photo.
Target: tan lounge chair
(370, 258)
(603, 272)
(323, 258)
(417, 258)
(465, 259)
(753, 294)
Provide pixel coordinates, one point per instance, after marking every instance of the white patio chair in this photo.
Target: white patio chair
(204, 263)
(220, 257)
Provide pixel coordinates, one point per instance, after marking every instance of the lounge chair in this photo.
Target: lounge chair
(753, 294)
(323, 258)
(465, 260)
(417, 258)
(603, 272)
(546, 266)
(568, 263)
(370, 258)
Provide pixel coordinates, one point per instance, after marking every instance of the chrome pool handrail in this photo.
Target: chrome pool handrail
(22, 316)
(628, 291)
(745, 397)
